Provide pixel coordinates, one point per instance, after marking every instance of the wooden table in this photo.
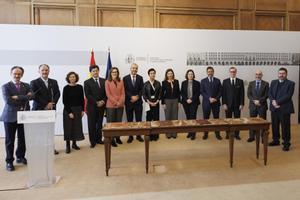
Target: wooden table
(183, 126)
(124, 129)
(255, 124)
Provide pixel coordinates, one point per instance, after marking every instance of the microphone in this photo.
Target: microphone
(32, 96)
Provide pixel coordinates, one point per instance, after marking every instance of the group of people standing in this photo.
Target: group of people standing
(110, 97)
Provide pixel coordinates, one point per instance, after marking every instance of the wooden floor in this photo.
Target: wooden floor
(178, 167)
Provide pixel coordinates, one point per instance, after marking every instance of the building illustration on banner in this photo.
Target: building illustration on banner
(242, 58)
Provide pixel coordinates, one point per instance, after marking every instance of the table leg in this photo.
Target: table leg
(231, 142)
(106, 150)
(147, 152)
(265, 135)
(109, 152)
(257, 139)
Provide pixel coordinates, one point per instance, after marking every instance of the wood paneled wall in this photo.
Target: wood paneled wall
(200, 14)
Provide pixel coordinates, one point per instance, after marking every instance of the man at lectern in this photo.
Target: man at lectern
(46, 91)
(16, 95)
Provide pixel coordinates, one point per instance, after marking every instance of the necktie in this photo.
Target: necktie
(97, 81)
(133, 80)
(257, 87)
(232, 82)
(18, 86)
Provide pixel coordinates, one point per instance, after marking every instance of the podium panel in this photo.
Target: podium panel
(39, 127)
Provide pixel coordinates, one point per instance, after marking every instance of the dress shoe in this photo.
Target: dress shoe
(274, 143)
(92, 146)
(139, 138)
(237, 137)
(174, 136)
(56, 152)
(22, 160)
(188, 135)
(205, 136)
(250, 139)
(113, 143)
(119, 141)
(193, 137)
(74, 146)
(68, 150)
(227, 136)
(169, 137)
(218, 136)
(100, 142)
(286, 148)
(10, 167)
(130, 139)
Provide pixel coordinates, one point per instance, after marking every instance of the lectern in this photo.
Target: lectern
(39, 137)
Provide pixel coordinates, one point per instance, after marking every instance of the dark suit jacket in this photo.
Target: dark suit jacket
(93, 93)
(196, 92)
(261, 95)
(233, 96)
(210, 90)
(131, 90)
(11, 107)
(283, 96)
(44, 95)
(167, 92)
(152, 94)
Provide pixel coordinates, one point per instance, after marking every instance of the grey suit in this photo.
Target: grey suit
(261, 95)
(9, 117)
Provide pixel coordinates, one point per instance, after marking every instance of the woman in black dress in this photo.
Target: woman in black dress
(73, 100)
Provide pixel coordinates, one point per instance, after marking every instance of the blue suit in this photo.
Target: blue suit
(282, 93)
(9, 117)
(211, 89)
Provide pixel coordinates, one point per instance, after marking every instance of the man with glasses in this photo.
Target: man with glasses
(258, 94)
(281, 106)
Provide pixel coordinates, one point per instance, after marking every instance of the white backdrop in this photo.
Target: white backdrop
(67, 48)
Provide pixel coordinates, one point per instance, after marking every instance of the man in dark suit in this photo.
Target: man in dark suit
(258, 91)
(133, 84)
(233, 97)
(46, 91)
(211, 91)
(16, 95)
(94, 89)
(281, 106)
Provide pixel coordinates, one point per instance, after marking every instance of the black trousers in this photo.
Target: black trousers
(153, 115)
(236, 114)
(137, 110)
(10, 133)
(95, 120)
(283, 120)
(190, 112)
(215, 110)
(255, 112)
